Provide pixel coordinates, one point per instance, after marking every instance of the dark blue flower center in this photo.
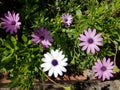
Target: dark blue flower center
(13, 23)
(66, 19)
(90, 40)
(42, 37)
(103, 68)
(54, 62)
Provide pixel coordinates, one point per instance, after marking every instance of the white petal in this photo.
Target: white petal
(54, 53)
(65, 59)
(62, 68)
(46, 65)
(48, 56)
(60, 57)
(47, 68)
(46, 60)
(63, 62)
(55, 72)
(51, 71)
(60, 72)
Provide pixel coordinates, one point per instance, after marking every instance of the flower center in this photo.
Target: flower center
(66, 20)
(103, 68)
(13, 23)
(54, 62)
(90, 40)
(42, 37)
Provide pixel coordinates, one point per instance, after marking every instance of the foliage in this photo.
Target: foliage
(23, 59)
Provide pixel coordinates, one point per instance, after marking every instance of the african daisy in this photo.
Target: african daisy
(54, 63)
(42, 36)
(103, 69)
(67, 19)
(90, 41)
(11, 22)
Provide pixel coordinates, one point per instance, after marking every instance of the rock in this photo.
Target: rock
(73, 85)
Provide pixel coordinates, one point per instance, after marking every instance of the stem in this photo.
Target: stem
(115, 52)
(54, 81)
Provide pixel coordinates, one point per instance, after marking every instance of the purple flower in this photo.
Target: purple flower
(11, 22)
(67, 19)
(42, 36)
(103, 70)
(90, 41)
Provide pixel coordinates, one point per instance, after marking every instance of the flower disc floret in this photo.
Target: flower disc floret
(54, 62)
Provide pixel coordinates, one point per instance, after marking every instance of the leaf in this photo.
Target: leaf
(67, 88)
(9, 56)
(73, 61)
(78, 13)
(24, 38)
(14, 41)
(29, 42)
(116, 69)
(118, 47)
(8, 45)
(1, 41)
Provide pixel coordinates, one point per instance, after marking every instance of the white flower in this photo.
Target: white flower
(54, 63)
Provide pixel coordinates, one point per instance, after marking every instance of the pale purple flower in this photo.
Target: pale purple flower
(67, 19)
(103, 70)
(90, 41)
(11, 22)
(54, 63)
(42, 36)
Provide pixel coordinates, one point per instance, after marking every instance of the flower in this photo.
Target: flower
(90, 41)
(11, 22)
(54, 62)
(103, 69)
(42, 36)
(67, 19)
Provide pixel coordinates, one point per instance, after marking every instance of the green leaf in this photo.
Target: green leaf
(78, 13)
(73, 61)
(118, 47)
(29, 42)
(14, 41)
(67, 88)
(1, 41)
(7, 58)
(8, 45)
(24, 38)
(116, 69)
